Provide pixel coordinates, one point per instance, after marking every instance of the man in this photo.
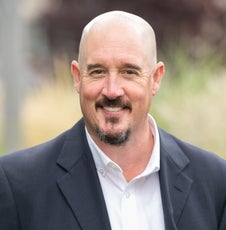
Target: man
(114, 169)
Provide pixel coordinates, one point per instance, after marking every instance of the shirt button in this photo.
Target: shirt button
(102, 172)
(127, 194)
(112, 165)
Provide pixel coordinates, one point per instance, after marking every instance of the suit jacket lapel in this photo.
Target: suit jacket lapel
(80, 185)
(174, 181)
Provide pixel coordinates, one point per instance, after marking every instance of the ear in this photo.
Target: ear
(157, 77)
(76, 75)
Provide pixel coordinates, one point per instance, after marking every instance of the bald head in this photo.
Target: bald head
(125, 24)
(119, 17)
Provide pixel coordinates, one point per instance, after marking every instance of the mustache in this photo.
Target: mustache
(117, 102)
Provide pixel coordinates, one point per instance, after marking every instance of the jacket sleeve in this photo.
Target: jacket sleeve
(8, 214)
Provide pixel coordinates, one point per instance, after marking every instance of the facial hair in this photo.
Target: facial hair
(117, 139)
(113, 139)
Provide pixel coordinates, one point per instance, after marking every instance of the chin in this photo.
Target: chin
(113, 138)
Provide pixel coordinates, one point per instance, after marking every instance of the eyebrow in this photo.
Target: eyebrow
(124, 65)
(93, 66)
(131, 66)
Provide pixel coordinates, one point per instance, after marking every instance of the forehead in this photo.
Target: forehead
(116, 31)
(117, 40)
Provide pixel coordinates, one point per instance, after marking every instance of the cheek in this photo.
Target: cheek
(139, 92)
(91, 88)
(140, 98)
(87, 104)
(89, 92)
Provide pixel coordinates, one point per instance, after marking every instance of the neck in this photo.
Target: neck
(134, 155)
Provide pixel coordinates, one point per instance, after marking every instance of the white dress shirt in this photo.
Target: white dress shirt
(134, 205)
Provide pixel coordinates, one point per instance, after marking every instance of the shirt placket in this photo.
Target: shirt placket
(128, 208)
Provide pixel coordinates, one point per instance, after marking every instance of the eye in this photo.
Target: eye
(130, 72)
(97, 72)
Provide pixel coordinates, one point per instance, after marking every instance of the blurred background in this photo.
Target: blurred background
(39, 39)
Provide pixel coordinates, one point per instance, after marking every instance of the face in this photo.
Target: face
(116, 79)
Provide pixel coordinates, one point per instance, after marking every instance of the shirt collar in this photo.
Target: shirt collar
(102, 161)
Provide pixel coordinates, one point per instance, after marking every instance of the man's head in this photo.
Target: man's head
(126, 20)
(116, 76)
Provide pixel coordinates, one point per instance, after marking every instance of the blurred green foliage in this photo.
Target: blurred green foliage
(191, 102)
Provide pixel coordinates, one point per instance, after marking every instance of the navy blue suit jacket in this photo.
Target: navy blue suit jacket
(55, 186)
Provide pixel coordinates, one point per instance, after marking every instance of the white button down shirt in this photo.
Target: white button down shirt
(134, 205)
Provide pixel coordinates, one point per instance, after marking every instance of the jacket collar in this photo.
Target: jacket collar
(80, 184)
(81, 187)
(174, 180)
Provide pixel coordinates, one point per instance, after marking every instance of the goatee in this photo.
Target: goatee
(117, 139)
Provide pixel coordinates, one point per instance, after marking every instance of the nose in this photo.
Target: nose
(113, 87)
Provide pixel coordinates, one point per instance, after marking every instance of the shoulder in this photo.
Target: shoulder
(25, 166)
(36, 169)
(205, 169)
(199, 158)
(40, 156)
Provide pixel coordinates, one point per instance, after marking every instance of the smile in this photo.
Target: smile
(116, 105)
(113, 109)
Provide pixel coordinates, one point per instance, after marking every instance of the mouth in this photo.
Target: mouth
(113, 109)
(113, 106)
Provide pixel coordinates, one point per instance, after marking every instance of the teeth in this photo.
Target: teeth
(113, 109)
